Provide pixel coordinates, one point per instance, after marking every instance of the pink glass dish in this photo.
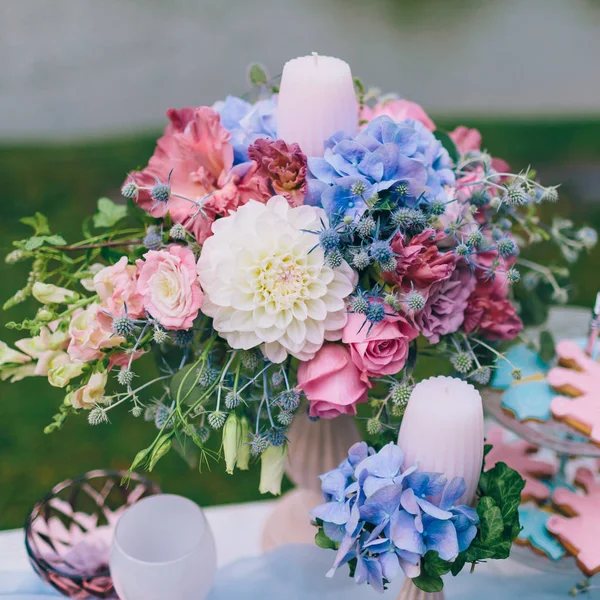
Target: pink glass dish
(69, 532)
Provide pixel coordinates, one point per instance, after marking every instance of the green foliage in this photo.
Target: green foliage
(323, 541)
(432, 568)
(447, 142)
(39, 223)
(257, 74)
(547, 346)
(109, 213)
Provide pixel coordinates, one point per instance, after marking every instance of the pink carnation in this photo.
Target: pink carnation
(195, 149)
(381, 349)
(331, 382)
(283, 166)
(420, 263)
(444, 311)
(117, 287)
(169, 286)
(495, 318)
(398, 110)
(91, 332)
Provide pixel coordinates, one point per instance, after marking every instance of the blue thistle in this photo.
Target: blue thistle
(183, 337)
(329, 239)
(361, 260)
(123, 326)
(129, 190)
(381, 251)
(506, 246)
(153, 239)
(276, 436)
(376, 312)
(360, 304)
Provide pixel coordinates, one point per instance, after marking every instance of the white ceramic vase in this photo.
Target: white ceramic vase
(410, 591)
(315, 447)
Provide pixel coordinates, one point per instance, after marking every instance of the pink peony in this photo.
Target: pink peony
(383, 349)
(117, 287)
(444, 311)
(195, 146)
(420, 263)
(169, 286)
(331, 382)
(398, 110)
(283, 166)
(91, 332)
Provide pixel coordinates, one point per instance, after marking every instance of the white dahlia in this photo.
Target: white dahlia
(265, 282)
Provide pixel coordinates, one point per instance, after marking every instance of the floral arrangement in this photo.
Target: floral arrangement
(382, 518)
(262, 278)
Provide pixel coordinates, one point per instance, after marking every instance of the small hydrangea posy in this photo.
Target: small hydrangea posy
(263, 278)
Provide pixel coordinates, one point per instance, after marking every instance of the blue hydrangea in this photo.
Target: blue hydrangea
(387, 517)
(403, 160)
(247, 122)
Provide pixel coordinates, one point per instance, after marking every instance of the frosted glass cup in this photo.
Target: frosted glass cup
(163, 548)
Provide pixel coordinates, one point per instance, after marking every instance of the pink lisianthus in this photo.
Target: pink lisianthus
(196, 151)
(398, 110)
(331, 382)
(420, 263)
(381, 349)
(91, 332)
(447, 301)
(117, 287)
(283, 166)
(169, 286)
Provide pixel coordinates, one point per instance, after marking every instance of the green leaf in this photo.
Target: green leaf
(182, 385)
(55, 240)
(547, 346)
(323, 541)
(109, 213)
(448, 144)
(257, 74)
(34, 242)
(504, 485)
(39, 223)
(432, 569)
(491, 525)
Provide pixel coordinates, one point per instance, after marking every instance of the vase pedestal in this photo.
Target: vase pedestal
(315, 447)
(410, 591)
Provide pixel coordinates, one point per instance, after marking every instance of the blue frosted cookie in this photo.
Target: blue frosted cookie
(522, 357)
(529, 400)
(535, 534)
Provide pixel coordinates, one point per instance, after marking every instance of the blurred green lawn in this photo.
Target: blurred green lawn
(64, 182)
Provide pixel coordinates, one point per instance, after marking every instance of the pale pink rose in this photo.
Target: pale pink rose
(331, 382)
(91, 394)
(91, 332)
(398, 110)
(117, 287)
(169, 286)
(195, 149)
(381, 349)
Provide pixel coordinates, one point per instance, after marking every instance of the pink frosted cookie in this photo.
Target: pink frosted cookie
(518, 456)
(581, 380)
(579, 534)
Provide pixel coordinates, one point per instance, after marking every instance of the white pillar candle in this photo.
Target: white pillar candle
(442, 430)
(316, 100)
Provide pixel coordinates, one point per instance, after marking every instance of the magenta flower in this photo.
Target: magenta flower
(283, 166)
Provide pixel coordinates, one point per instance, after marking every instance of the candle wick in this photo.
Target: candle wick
(316, 56)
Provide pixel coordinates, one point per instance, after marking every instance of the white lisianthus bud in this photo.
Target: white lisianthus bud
(272, 468)
(61, 375)
(46, 293)
(243, 453)
(231, 439)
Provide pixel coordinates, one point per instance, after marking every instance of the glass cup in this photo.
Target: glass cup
(163, 548)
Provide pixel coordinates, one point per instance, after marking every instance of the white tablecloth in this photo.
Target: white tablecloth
(296, 572)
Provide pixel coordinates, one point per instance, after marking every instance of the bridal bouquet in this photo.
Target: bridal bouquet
(265, 278)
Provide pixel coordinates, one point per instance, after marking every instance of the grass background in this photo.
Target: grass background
(64, 181)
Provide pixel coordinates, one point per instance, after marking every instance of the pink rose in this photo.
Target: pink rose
(383, 349)
(117, 287)
(469, 140)
(169, 286)
(196, 148)
(91, 332)
(398, 110)
(493, 317)
(331, 382)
